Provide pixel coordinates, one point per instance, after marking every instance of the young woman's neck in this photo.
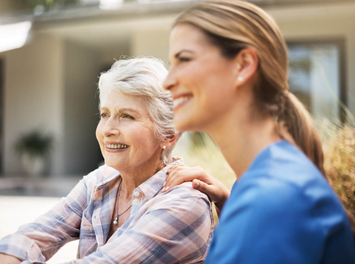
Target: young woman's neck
(242, 137)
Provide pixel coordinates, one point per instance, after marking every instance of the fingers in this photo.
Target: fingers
(181, 173)
(209, 190)
(176, 176)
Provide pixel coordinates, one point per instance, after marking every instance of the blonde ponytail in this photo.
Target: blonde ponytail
(294, 123)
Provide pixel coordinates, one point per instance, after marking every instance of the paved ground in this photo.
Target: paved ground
(18, 210)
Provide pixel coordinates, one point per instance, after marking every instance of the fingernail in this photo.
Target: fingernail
(195, 184)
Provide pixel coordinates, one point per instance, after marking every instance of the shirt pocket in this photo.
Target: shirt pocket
(87, 241)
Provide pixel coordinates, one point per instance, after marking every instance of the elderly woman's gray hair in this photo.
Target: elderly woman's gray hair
(143, 77)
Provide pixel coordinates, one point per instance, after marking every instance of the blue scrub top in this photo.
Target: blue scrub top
(282, 211)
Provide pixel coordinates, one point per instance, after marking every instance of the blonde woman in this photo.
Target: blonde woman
(228, 78)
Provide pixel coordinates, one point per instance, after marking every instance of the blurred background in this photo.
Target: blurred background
(52, 52)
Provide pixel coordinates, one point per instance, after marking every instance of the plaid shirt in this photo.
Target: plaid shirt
(171, 227)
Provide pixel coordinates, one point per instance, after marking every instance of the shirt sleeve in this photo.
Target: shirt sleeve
(176, 230)
(40, 240)
(268, 221)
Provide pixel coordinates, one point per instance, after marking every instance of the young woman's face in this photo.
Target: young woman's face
(126, 133)
(200, 80)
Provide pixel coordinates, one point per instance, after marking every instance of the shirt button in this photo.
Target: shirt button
(136, 193)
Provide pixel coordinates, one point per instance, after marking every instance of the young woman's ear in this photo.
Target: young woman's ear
(246, 65)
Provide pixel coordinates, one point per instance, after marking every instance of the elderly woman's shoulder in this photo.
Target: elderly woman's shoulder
(181, 201)
(185, 190)
(101, 175)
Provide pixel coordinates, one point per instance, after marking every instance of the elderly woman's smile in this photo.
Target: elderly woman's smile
(126, 133)
(116, 146)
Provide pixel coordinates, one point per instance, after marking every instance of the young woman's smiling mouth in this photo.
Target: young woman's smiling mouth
(181, 100)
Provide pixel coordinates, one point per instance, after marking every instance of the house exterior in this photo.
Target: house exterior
(50, 83)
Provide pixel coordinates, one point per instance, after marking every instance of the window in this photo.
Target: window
(316, 77)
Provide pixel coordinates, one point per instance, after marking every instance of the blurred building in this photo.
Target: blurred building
(48, 80)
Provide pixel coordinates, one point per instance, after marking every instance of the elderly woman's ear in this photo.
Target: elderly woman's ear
(169, 141)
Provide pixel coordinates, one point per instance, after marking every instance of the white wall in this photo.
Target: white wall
(151, 42)
(50, 84)
(81, 71)
(33, 97)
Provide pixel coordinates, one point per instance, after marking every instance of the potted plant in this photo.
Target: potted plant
(33, 148)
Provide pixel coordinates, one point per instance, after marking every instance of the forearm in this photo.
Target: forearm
(7, 259)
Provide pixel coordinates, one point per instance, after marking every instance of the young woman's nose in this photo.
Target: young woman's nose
(169, 81)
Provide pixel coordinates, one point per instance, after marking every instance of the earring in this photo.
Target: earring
(240, 78)
(164, 147)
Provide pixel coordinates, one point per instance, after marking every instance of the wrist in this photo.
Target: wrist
(9, 259)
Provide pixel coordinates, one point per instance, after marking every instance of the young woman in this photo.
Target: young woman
(228, 78)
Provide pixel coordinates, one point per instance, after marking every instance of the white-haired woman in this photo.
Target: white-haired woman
(118, 211)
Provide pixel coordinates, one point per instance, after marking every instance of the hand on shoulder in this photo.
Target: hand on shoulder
(201, 180)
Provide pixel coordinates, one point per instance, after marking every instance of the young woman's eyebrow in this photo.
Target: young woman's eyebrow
(177, 55)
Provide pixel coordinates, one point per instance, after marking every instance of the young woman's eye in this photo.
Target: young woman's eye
(184, 59)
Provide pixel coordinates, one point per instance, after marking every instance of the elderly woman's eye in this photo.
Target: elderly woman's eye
(127, 116)
(103, 115)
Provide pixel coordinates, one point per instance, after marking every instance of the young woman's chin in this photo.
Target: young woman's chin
(187, 123)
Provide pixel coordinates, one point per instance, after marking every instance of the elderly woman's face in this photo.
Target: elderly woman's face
(126, 133)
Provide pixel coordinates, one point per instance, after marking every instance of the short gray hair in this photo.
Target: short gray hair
(144, 77)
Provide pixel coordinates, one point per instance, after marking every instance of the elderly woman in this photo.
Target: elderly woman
(118, 211)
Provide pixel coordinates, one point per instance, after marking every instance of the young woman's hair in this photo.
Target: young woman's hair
(143, 77)
(234, 25)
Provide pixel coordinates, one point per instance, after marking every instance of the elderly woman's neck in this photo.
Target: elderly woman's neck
(132, 179)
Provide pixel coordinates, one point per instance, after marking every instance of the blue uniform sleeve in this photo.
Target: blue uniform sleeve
(274, 222)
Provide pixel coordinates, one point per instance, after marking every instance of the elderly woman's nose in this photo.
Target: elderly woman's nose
(111, 127)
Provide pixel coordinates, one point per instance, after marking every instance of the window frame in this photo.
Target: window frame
(340, 43)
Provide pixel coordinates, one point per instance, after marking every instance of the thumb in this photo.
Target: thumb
(202, 187)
